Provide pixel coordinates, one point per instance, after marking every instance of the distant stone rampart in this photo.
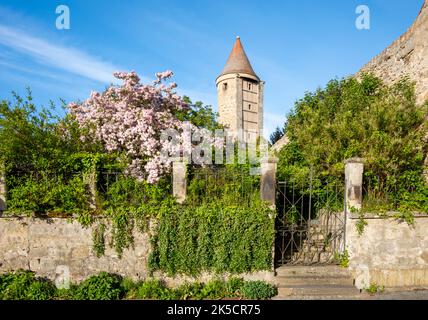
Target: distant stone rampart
(406, 56)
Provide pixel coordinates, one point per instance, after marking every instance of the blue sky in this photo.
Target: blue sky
(295, 46)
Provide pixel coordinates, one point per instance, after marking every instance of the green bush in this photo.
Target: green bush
(258, 290)
(41, 290)
(212, 290)
(215, 289)
(367, 119)
(234, 287)
(24, 285)
(48, 194)
(130, 203)
(153, 289)
(103, 286)
(190, 291)
(128, 286)
(66, 294)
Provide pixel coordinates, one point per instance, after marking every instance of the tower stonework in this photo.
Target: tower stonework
(240, 95)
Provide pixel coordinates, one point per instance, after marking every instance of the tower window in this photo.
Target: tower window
(249, 86)
(225, 86)
(249, 107)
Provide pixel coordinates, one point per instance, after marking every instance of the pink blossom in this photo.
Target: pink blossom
(129, 118)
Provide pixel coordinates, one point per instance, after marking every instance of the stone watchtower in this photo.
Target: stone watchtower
(240, 95)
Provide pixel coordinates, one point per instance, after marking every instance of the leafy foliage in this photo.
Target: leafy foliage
(153, 289)
(367, 119)
(129, 203)
(276, 135)
(342, 259)
(212, 290)
(24, 285)
(99, 240)
(50, 162)
(44, 166)
(374, 289)
(200, 115)
(361, 224)
(34, 139)
(258, 290)
(218, 238)
(103, 286)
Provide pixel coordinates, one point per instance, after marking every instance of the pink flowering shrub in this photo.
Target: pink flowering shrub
(131, 118)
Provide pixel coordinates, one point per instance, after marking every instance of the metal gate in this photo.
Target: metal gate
(310, 223)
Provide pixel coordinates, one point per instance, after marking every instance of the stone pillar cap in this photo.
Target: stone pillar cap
(269, 159)
(355, 160)
(180, 160)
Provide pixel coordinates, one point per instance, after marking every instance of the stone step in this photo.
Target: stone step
(318, 290)
(313, 280)
(313, 257)
(333, 297)
(311, 260)
(321, 271)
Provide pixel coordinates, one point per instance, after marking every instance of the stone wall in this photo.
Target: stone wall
(52, 247)
(61, 250)
(407, 56)
(389, 253)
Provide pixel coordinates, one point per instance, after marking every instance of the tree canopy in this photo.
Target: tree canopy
(359, 118)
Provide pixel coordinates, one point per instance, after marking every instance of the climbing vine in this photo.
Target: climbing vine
(214, 237)
(98, 239)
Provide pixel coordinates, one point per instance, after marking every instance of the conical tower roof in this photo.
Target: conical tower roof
(238, 61)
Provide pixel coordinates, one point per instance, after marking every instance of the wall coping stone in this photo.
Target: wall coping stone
(355, 160)
(386, 215)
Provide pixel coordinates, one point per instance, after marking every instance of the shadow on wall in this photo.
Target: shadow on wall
(2, 206)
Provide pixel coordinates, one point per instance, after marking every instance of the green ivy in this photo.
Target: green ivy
(214, 237)
(98, 240)
(361, 224)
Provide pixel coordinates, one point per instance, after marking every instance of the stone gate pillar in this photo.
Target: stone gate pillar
(3, 189)
(179, 180)
(90, 179)
(354, 169)
(268, 180)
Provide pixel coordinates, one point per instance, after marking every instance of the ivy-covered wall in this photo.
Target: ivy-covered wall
(61, 249)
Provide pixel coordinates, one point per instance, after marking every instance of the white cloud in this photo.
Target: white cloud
(67, 59)
(23, 69)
